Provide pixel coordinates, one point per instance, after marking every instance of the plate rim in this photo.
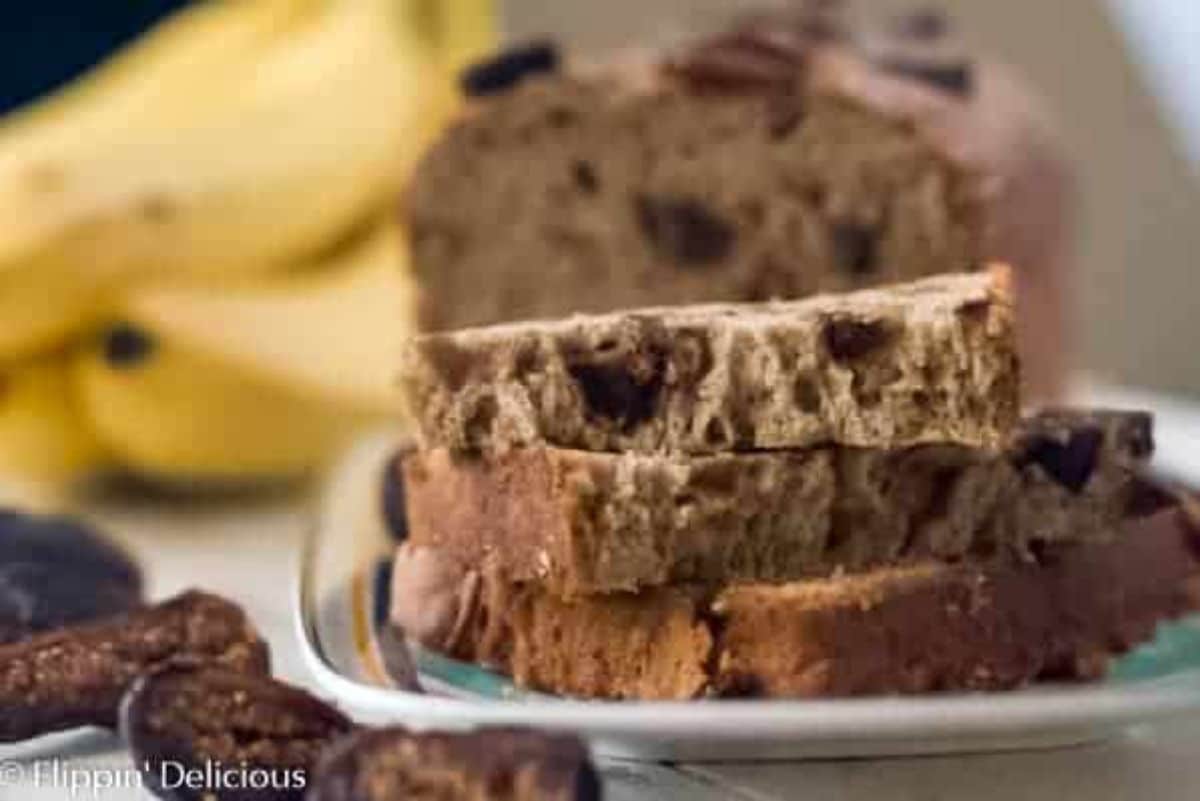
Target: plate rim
(1027, 712)
(892, 717)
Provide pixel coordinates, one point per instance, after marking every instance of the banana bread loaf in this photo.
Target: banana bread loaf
(931, 361)
(794, 154)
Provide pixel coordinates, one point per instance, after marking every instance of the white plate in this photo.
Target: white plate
(341, 594)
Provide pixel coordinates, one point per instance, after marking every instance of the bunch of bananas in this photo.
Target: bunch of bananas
(200, 277)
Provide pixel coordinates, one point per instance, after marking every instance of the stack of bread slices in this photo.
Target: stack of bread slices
(828, 496)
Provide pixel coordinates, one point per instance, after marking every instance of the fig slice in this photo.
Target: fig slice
(395, 764)
(76, 676)
(218, 735)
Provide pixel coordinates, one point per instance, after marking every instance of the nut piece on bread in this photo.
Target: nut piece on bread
(931, 361)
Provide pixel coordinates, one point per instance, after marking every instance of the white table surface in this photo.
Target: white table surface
(248, 551)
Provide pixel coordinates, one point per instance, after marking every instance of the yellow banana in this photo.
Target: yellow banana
(147, 84)
(21, 494)
(262, 382)
(153, 80)
(212, 156)
(43, 437)
(185, 416)
(302, 144)
(275, 161)
(39, 312)
(333, 330)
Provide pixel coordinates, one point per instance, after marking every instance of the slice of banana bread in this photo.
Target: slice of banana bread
(795, 154)
(929, 627)
(581, 522)
(931, 361)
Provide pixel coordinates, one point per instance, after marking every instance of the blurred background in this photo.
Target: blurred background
(202, 274)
